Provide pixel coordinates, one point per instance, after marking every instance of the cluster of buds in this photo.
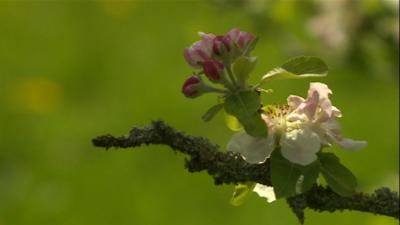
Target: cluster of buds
(213, 56)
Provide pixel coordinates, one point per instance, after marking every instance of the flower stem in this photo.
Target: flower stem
(230, 74)
(216, 90)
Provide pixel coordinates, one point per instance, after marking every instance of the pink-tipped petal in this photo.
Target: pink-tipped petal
(233, 34)
(188, 54)
(326, 106)
(202, 55)
(309, 106)
(207, 37)
(350, 144)
(321, 88)
(244, 39)
(332, 126)
(325, 112)
(199, 51)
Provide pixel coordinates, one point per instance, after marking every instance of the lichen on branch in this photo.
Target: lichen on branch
(225, 167)
(230, 168)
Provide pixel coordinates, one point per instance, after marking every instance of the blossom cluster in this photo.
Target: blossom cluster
(213, 55)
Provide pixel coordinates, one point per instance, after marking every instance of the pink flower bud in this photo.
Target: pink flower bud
(199, 51)
(241, 38)
(244, 39)
(213, 70)
(221, 42)
(192, 87)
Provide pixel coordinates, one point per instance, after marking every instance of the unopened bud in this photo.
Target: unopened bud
(241, 38)
(214, 70)
(199, 51)
(221, 44)
(192, 87)
(244, 39)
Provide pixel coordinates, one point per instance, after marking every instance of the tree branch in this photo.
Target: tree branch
(228, 168)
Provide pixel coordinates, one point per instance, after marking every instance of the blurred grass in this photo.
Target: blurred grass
(71, 71)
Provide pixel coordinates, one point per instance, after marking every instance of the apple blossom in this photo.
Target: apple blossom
(299, 129)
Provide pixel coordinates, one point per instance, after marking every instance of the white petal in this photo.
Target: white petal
(265, 192)
(300, 146)
(331, 125)
(326, 110)
(268, 120)
(294, 101)
(332, 132)
(351, 144)
(322, 89)
(336, 112)
(253, 150)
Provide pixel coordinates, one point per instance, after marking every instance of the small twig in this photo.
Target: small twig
(228, 168)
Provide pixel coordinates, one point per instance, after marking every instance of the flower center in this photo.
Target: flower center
(276, 116)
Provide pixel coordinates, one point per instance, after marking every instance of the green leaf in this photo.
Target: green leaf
(244, 105)
(242, 68)
(241, 193)
(299, 67)
(211, 112)
(290, 179)
(309, 176)
(338, 177)
(284, 175)
(232, 123)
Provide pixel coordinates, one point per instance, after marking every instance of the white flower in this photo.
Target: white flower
(299, 129)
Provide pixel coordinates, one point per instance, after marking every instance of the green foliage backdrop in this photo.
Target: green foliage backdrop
(72, 70)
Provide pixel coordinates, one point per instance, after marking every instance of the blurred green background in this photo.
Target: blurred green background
(70, 71)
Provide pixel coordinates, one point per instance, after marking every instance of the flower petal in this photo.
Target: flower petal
(336, 112)
(326, 110)
(190, 57)
(350, 144)
(332, 126)
(265, 192)
(233, 34)
(332, 132)
(300, 146)
(321, 88)
(268, 120)
(309, 106)
(253, 150)
(294, 101)
(207, 42)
